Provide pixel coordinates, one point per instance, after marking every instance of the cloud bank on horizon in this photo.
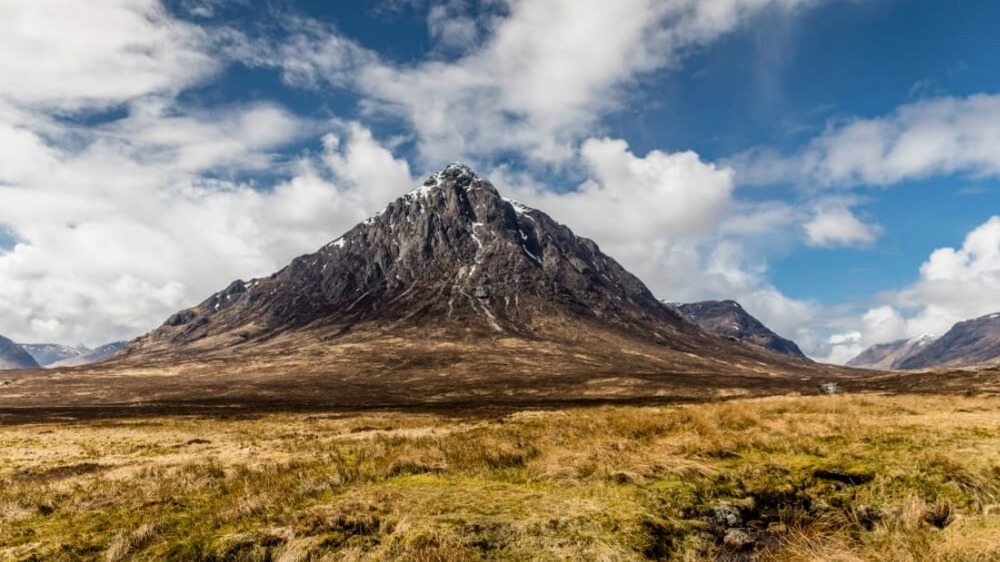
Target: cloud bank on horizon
(155, 150)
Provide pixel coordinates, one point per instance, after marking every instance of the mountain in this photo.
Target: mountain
(887, 356)
(13, 356)
(48, 353)
(727, 318)
(452, 295)
(91, 356)
(451, 258)
(967, 344)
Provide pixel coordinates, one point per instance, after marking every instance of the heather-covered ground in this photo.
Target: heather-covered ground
(823, 478)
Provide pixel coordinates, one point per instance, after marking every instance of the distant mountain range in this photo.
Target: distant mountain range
(972, 343)
(727, 318)
(48, 353)
(888, 356)
(51, 355)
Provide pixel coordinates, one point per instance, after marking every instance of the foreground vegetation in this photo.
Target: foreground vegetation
(832, 478)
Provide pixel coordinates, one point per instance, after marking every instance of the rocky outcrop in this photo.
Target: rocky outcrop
(13, 356)
(727, 318)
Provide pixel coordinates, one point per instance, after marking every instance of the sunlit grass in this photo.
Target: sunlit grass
(605, 483)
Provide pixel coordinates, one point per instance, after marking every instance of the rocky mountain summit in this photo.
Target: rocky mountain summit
(451, 257)
(13, 356)
(889, 356)
(727, 318)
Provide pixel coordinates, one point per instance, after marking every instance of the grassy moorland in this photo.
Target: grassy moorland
(833, 478)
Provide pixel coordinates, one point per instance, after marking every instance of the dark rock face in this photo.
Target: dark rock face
(49, 353)
(727, 318)
(888, 356)
(92, 356)
(451, 257)
(970, 343)
(13, 356)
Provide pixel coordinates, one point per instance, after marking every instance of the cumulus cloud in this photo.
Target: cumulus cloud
(670, 218)
(955, 284)
(835, 225)
(71, 55)
(112, 220)
(132, 239)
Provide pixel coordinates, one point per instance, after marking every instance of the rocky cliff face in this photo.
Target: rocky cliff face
(727, 318)
(970, 343)
(13, 356)
(889, 356)
(452, 257)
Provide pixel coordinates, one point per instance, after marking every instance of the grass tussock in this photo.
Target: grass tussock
(835, 478)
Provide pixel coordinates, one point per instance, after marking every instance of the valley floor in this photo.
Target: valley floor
(821, 478)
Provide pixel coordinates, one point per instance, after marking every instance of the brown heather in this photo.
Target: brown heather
(606, 483)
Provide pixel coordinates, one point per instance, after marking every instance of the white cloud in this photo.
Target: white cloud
(671, 220)
(310, 54)
(642, 210)
(451, 27)
(941, 136)
(120, 229)
(955, 284)
(835, 225)
(544, 76)
(72, 55)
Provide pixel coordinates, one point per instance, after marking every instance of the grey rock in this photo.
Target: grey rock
(727, 515)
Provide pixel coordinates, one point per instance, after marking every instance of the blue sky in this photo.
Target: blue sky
(832, 164)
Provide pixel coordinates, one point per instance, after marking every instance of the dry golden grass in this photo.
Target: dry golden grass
(604, 483)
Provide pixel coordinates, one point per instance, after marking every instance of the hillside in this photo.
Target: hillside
(727, 318)
(889, 356)
(13, 356)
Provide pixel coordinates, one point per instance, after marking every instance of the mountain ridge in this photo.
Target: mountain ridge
(728, 318)
(888, 356)
(13, 356)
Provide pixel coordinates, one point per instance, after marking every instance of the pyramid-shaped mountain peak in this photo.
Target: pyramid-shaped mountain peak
(451, 257)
